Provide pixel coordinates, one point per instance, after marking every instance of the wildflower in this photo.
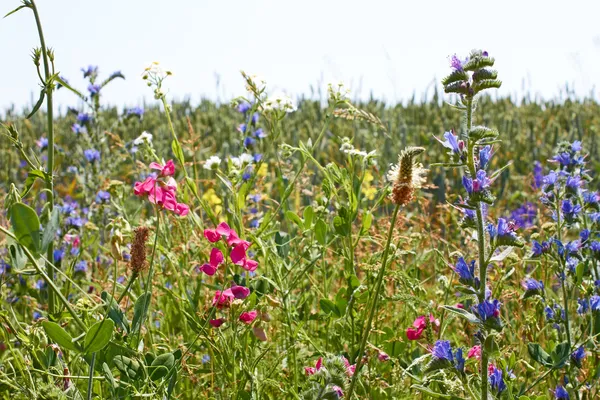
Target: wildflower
(533, 287)
(495, 379)
(578, 355)
(137, 111)
(84, 118)
(244, 107)
(407, 176)
(524, 216)
(312, 370)
(595, 303)
(350, 369)
(249, 142)
(205, 359)
(419, 325)
(216, 259)
(538, 178)
(382, 356)
(76, 128)
(488, 309)
(165, 170)
(248, 317)
(102, 197)
(223, 299)
(485, 154)
(92, 155)
(241, 128)
(212, 163)
(81, 266)
(260, 133)
(42, 143)
(238, 257)
(549, 181)
(570, 210)
(93, 89)
(338, 391)
(214, 235)
(591, 198)
(58, 255)
(460, 360)
(279, 102)
(161, 192)
(474, 351)
(457, 63)
(465, 272)
(451, 142)
(573, 184)
(138, 250)
(561, 393)
(145, 137)
(240, 292)
(504, 233)
(215, 323)
(91, 70)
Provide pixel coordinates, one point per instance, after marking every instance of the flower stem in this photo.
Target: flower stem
(378, 286)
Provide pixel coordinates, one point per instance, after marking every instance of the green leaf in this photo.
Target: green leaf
(139, 312)
(127, 366)
(329, 307)
(463, 313)
(455, 76)
(16, 9)
(560, 354)
(340, 226)
(114, 312)
(32, 175)
(538, 354)
(308, 216)
(38, 104)
(98, 336)
(478, 62)
(50, 229)
(59, 336)
(290, 215)
(26, 226)
(484, 73)
(321, 232)
(161, 365)
(178, 151)
(482, 132)
(486, 84)
(108, 375)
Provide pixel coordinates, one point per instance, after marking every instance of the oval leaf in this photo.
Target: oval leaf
(98, 336)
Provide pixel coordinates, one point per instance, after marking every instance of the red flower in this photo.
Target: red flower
(416, 332)
(248, 317)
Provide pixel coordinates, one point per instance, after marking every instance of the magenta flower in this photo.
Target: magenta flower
(474, 351)
(215, 323)
(383, 356)
(338, 390)
(238, 253)
(240, 292)
(419, 325)
(216, 259)
(165, 170)
(312, 370)
(223, 299)
(160, 192)
(248, 317)
(349, 368)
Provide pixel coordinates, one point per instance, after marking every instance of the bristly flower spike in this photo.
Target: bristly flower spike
(407, 176)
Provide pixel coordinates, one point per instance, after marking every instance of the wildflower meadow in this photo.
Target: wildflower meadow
(289, 248)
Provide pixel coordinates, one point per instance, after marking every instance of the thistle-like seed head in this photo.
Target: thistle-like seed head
(407, 176)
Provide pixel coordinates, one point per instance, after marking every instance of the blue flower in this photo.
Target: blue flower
(81, 266)
(538, 178)
(257, 157)
(205, 359)
(595, 303)
(78, 128)
(549, 313)
(58, 255)
(42, 143)
(468, 184)
(242, 128)
(524, 216)
(260, 133)
(89, 71)
(573, 247)
(591, 198)
(442, 350)
(485, 154)
(540, 248)
(460, 360)
(92, 155)
(255, 117)
(249, 142)
(451, 142)
(595, 246)
(576, 146)
(549, 180)
(84, 118)
(488, 309)
(244, 106)
(457, 63)
(584, 235)
(578, 355)
(495, 379)
(102, 197)
(570, 210)
(75, 221)
(36, 315)
(465, 272)
(139, 111)
(533, 286)
(583, 306)
(254, 223)
(94, 89)
(561, 393)
(573, 184)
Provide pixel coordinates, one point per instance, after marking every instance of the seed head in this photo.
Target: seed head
(138, 249)
(407, 176)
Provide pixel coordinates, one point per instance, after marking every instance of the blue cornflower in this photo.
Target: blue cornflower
(92, 155)
(84, 118)
(495, 379)
(94, 89)
(81, 266)
(465, 272)
(260, 133)
(578, 355)
(139, 111)
(76, 128)
(488, 309)
(102, 197)
(243, 107)
(561, 393)
(485, 154)
(538, 177)
(58, 255)
(533, 286)
(442, 350)
(89, 71)
(595, 303)
(583, 306)
(249, 142)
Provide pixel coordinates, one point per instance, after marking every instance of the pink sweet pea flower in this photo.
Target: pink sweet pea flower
(238, 257)
(223, 299)
(165, 170)
(214, 235)
(419, 326)
(349, 368)
(216, 322)
(311, 370)
(143, 188)
(182, 209)
(234, 240)
(240, 292)
(474, 351)
(216, 259)
(248, 317)
(382, 356)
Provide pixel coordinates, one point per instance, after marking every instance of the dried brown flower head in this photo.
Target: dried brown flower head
(138, 249)
(407, 176)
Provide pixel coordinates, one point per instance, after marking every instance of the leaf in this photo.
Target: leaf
(59, 335)
(127, 366)
(16, 9)
(502, 255)
(98, 336)
(482, 132)
(178, 151)
(161, 365)
(321, 232)
(290, 215)
(64, 83)
(114, 312)
(38, 104)
(340, 226)
(108, 375)
(329, 307)
(32, 175)
(463, 313)
(50, 229)
(366, 222)
(538, 354)
(139, 312)
(26, 226)
(560, 354)
(308, 216)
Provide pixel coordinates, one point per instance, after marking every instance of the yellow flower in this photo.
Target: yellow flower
(212, 199)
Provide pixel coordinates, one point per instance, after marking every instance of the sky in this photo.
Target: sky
(388, 49)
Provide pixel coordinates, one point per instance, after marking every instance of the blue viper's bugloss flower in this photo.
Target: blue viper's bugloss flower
(249, 142)
(451, 142)
(591, 198)
(460, 360)
(242, 128)
(570, 210)
(58, 255)
(139, 111)
(524, 216)
(488, 309)
(538, 248)
(42, 143)
(76, 128)
(566, 160)
(578, 355)
(495, 379)
(93, 89)
(583, 306)
(595, 246)
(576, 146)
(90, 70)
(595, 303)
(584, 235)
(465, 272)
(549, 313)
(260, 133)
(81, 266)
(561, 393)
(550, 179)
(254, 223)
(243, 107)
(573, 184)
(442, 350)
(504, 233)
(533, 286)
(36, 315)
(485, 154)
(457, 63)
(255, 118)
(102, 197)
(538, 177)
(92, 155)
(84, 118)
(573, 247)
(75, 221)
(257, 157)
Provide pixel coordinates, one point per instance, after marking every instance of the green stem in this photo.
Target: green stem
(91, 377)
(378, 286)
(49, 86)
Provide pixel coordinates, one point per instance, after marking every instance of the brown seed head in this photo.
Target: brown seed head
(138, 249)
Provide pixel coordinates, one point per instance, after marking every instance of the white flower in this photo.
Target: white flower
(212, 163)
(255, 82)
(279, 101)
(242, 160)
(338, 92)
(144, 137)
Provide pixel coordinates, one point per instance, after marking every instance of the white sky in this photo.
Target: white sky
(388, 48)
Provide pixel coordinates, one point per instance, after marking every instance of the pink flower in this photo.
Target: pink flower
(349, 368)
(419, 325)
(216, 259)
(73, 240)
(143, 188)
(216, 322)
(214, 235)
(338, 390)
(238, 257)
(382, 356)
(240, 292)
(165, 170)
(248, 317)
(474, 351)
(234, 240)
(223, 299)
(182, 209)
(311, 370)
